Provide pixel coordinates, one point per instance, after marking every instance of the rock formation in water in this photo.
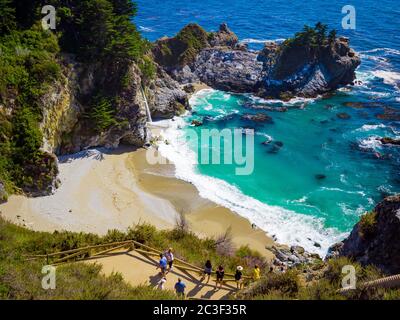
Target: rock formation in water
(375, 239)
(94, 102)
(302, 66)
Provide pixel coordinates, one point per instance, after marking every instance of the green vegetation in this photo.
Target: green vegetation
(148, 68)
(102, 114)
(312, 37)
(324, 286)
(21, 279)
(182, 49)
(367, 225)
(97, 33)
(28, 67)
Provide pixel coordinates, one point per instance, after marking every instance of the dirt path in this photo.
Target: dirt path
(137, 269)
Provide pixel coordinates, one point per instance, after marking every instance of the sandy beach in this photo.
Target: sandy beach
(116, 189)
(102, 190)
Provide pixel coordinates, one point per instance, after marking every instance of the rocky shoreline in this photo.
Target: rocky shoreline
(284, 70)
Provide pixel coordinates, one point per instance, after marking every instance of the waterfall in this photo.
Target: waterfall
(148, 113)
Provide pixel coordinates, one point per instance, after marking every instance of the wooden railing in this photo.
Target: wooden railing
(89, 252)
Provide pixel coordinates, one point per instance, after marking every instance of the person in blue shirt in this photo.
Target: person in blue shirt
(162, 264)
(180, 288)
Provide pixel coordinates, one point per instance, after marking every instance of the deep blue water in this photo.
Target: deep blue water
(355, 171)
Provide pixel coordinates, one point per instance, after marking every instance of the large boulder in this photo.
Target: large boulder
(376, 238)
(224, 37)
(228, 69)
(165, 96)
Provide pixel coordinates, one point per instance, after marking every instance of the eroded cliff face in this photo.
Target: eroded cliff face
(67, 129)
(60, 108)
(376, 240)
(65, 124)
(279, 70)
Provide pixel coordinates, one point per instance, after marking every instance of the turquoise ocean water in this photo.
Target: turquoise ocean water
(315, 173)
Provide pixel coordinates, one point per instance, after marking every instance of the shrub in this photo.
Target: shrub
(287, 284)
(148, 68)
(367, 225)
(102, 114)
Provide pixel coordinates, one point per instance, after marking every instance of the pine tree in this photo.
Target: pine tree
(7, 17)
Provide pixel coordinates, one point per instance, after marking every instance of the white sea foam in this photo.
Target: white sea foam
(288, 226)
(370, 143)
(389, 77)
(384, 50)
(146, 29)
(371, 127)
(292, 102)
(251, 40)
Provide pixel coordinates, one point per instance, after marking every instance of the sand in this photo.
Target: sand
(117, 189)
(205, 218)
(95, 195)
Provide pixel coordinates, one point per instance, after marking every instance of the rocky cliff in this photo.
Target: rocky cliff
(376, 238)
(67, 128)
(296, 67)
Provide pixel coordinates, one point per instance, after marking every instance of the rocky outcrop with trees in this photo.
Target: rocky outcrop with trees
(309, 64)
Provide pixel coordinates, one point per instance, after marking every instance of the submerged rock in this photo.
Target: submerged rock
(259, 117)
(196, 123)
(391, 141)
(343, 115)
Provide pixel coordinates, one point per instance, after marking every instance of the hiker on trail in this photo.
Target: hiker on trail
(170, 258)
(256, 273)
(162, 264)
(238, 277)
(207, 271)
(161, 283)
(220, 276)
(180, 288)
(271, 269)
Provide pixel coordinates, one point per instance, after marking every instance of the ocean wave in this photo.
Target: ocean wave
(146, 29)
(371, 127)
(389, 77)
(385, 50)
(292, 102)
(361, 193)
(288, 226)
(258, 41)
(375, 59)
(370, 143)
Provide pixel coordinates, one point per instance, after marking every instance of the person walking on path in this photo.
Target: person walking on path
(180, 288)
(220, 276)
(162, 264)
(170, 258)
(256, 273)
(238, 277)
(207, 271)
(161, 283)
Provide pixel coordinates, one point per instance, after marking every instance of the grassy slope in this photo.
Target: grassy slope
(20, 279)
